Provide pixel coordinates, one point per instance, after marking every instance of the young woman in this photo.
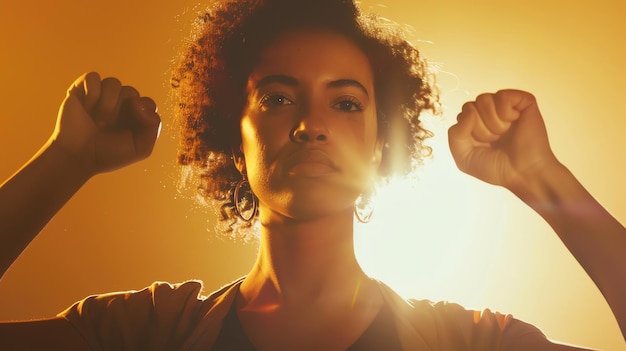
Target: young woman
(291, 111)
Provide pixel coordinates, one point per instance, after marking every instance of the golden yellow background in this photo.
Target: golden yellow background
(446, 236)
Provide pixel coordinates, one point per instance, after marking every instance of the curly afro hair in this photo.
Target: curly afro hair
(211, 74)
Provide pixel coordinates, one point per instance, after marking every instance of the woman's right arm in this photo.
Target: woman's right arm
(101, 126)
(32, 196)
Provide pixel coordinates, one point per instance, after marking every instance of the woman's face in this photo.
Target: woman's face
(309, 130)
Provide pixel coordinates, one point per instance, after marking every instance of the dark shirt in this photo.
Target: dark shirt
(380, 335)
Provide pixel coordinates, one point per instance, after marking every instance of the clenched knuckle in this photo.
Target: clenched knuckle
(485, 97)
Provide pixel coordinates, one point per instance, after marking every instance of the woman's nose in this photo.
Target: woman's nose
(310, 129)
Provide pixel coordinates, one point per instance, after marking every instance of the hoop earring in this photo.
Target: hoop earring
(241, 203)
(364, 213)
(363, 218)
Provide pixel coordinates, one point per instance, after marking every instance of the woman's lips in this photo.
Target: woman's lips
(310, 163)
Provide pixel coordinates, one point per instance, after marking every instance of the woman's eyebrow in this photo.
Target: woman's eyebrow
(276, 78)
(291, 81)
(340, 83)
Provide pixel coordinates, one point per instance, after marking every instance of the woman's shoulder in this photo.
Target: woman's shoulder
(450, 325)
(156, 295)
(159, 314)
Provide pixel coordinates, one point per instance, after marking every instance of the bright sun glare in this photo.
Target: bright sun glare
(422, 239)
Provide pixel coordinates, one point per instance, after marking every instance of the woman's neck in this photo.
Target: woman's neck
(301, 262)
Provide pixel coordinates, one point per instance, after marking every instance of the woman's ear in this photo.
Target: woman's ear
(239, 160)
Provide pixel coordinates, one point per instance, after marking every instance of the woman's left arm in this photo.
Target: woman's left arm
(501, 138)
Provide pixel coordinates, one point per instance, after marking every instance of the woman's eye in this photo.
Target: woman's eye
(275, 100)
(349, 105)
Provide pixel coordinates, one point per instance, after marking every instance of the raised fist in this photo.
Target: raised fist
(105, 125)
(501, 139)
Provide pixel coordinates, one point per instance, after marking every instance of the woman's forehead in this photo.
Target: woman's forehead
(313, 55)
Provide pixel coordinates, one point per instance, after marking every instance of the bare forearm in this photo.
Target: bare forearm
(31, 197)
(595, 238)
